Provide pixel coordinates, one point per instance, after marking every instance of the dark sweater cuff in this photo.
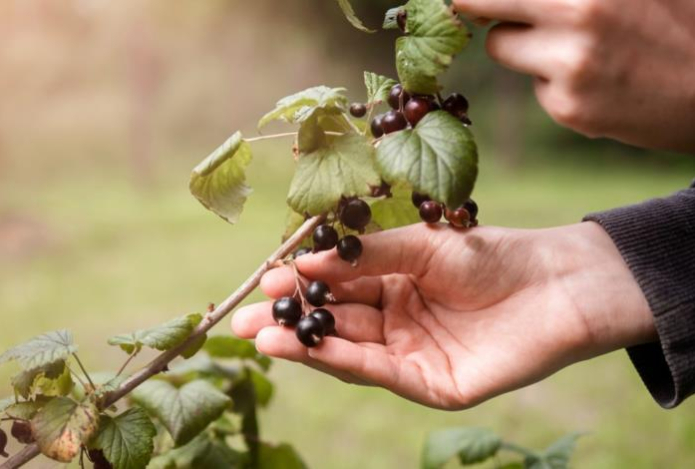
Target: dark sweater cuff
(657, 240)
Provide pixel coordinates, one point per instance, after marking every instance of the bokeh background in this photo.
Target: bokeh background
(105, 106)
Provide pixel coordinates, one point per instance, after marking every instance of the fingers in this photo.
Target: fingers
(281, 282)
(280, 342)
(521, 11)
(356, 322)
(519, 47)
(404, 250)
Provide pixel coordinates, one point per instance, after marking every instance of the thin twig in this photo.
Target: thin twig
(79, 362)
(29, 452)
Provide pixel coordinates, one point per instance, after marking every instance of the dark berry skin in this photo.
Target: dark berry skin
(350, 248)
(458, 218)
(456, 105)
(377, 126)
(327, 320)
(358, 110)
(356, 214)
(466, 121)
(287, 311)
(431, 212)
(318, 293)
(472, 208)
(402, 20)
(301, 252)
(310, 331)
(416, 109)
(3, 444)
(21, 431)
(395, 97)
(384, 190)
(325, 238)
(419, 199)
(98, 459)
(393, 122)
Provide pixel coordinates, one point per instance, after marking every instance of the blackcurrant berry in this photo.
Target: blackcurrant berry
(419, 199)
(3, 444)
(325, 238)
(456, 105)
(327, 320)
(416, 109)
(301, 252)
(287, 311)
(310, 331)
(384, 190)
(402, 19)
(472, 208)
(350, 248)
(356, 214)
(458, 218)
(21, 431)
(393, 122)
(396, 95)
(98, 459)
(377, 127)
(466, 121)
(318, 293)
(358, 110)
(431, 212)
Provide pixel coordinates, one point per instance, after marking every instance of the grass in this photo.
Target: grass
(112, 257)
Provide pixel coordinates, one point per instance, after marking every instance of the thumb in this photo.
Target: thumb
(401, 251)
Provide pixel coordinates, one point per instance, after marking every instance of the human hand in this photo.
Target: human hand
(450, 318)
(603, 68)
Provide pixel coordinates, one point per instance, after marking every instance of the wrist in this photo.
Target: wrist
(603, 290)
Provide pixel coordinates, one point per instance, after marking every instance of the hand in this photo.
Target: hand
(450, 318)
(612, 68)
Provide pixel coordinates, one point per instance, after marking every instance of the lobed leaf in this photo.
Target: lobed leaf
(184, 411)
(62, 426)
(127, 440)
(162, 337)
(42, 350)
(25, 381)
(345, 168)
(284, 456)
(25, 410)
(378, 87)
(395, 211)
(472, 445)
(263, 387)
(204, 451)
(349, 13)
(219, 182)
(299, 107)
(435, 35)
(438, 157)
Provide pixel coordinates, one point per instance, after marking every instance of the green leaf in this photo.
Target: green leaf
(293, 221)
(195, 347)
(225, 346)
(274, 457)
(263, 387)
(6, 403)
(438, 157)
(24, 410)
(163, 337)
(378, 87)
(472, 445)
(346, 168)
(48, 385)
(41, 350)
(126, 440)
(219, 182)
(201, 365)
(557, 455)
(435, 35)
(313, 131)
(395, 211)
(301, 106)
(352, 17)
(391, 17)
(25, 382)
(185, 411)
(203, 452)
(62, 426)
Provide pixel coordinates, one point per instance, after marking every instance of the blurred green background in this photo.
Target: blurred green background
(106, 106)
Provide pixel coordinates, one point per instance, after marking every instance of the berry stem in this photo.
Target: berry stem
(161, 362)
(293, 134)
(298, 281)
(79, 363)
(127, 362)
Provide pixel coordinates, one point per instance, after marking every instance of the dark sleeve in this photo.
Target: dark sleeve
(657, 240)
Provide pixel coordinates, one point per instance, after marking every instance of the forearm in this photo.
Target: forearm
(657, 241)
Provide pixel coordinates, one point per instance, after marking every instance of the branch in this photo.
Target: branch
(211, 319)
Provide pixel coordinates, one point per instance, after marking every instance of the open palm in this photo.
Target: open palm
(445, 317)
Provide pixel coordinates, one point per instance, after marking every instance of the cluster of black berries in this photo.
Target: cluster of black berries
(310, 328)
(408, 110)
(21, 431)
(465, 216)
